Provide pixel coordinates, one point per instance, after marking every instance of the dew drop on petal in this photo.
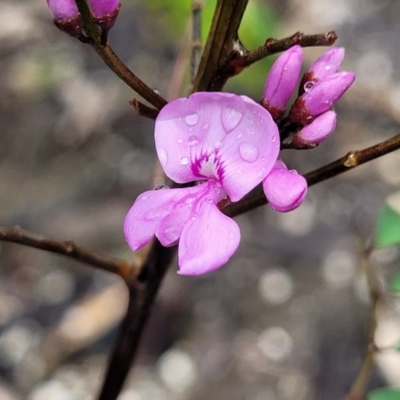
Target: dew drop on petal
(144, 198)
(230, 118)
(162, 156)
(262, 158)
(192, 119)
(184, 161)
(308, 86)
(328, 67)
(217, 144)
(205, 126)
(273, 139)
(180, 140)
(239, 136)
(160, 187)
(208, 200)
(193, 140)
(248, 152)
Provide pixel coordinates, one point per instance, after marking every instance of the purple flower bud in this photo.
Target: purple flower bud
(105, 12)
(285, 190)
(316, 132)
(328, 63)
(66, 16)
(281, 81)
(320, 97)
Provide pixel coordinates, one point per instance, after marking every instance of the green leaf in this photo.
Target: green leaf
(395, 284)
(384, 394)
(388, 224)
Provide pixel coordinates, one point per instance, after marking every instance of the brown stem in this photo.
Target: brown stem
(351, 160)
(143, 109)
(97, 38)
(220, 44)
(273, 46)
(125, 74)
(67, 249)
(196, 40)
(359, 387)
(142, 293)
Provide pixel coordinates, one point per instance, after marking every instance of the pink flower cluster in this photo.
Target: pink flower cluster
(228, 145)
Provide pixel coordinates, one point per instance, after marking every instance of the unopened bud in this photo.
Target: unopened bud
(281, 81)
(105, 12)
(66, 16)
(285, 190)
(314, 133)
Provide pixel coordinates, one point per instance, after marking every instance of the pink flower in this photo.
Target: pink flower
(229, 143)
(285, 190)
(281, 81)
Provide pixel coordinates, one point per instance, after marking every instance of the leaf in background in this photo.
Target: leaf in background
(395, 287)
(384, 394)
(388, 223)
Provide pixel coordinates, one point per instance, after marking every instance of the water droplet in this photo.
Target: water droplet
(248, 152)
(230, 119)
(308, 86)
(217, 190)
(328, 67)
(208, 200)
(217, 144)
(205, 126)
(193, 140)
(180, 140)
(231, 235)
(239, 136)
(161, 187)
(273, 139)
(184, 161)
(192, 119)
(262, 158)
(193, 218)
(162, 156)
(145, 197)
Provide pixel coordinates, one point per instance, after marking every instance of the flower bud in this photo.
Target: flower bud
(281, 81)
(66, 16)
(105, 12)
(320, 97)
(285, 190)
(327, 64)
(316, 132)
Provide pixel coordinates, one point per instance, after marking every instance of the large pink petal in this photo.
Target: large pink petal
(249, 152)
(208, 241)
(186, 128)
(217, 135)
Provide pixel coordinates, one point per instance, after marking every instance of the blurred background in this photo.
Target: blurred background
(286, 317)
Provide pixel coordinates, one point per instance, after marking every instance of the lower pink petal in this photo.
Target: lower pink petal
(208, 240)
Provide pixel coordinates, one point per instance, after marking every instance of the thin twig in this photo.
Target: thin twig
(220, 44)
(98, 40)
(196, 40)
(142, 293)
(67, 249)
(143, 109)
(351, 160)
(359, 387)
(273, 46)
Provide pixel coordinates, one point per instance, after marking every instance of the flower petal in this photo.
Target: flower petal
(150, 208)
(328, 63)
(208, 241)
(217, 135)
(285, 190)
(248, 153)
